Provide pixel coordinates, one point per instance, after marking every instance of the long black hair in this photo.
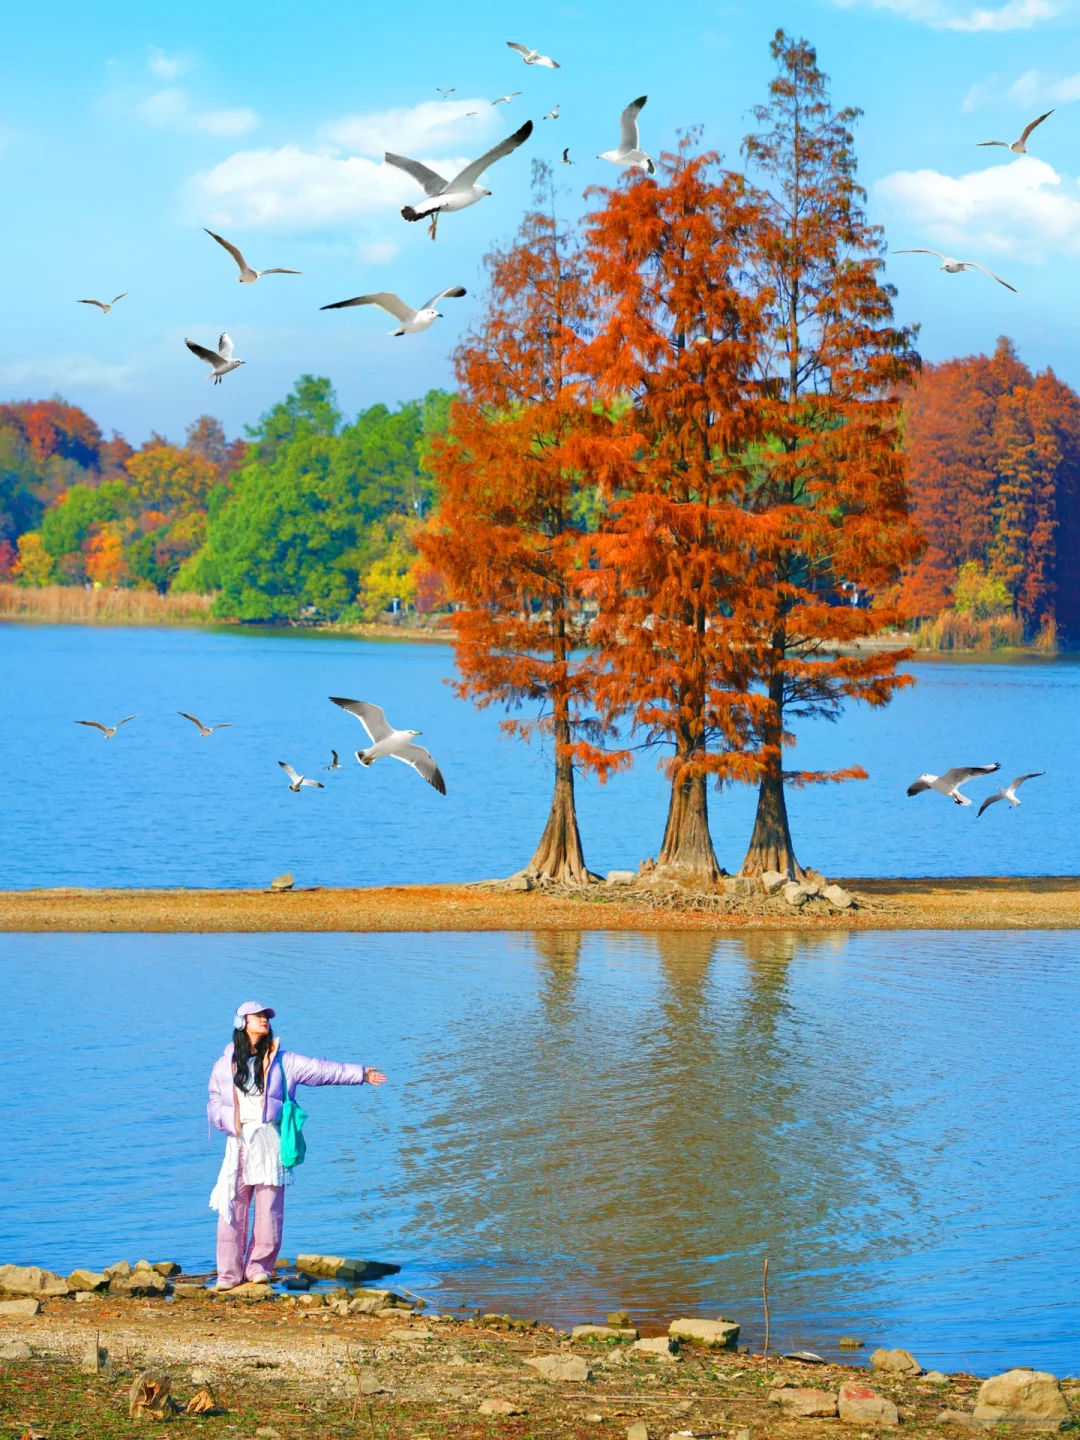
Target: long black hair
(242, 1053)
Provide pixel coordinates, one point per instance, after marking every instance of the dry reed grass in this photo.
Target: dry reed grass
(71, 604)
(950, 631)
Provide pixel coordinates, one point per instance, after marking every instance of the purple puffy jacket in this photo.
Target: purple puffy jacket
(299, 1070)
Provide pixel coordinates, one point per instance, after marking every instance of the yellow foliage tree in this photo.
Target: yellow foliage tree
(390, 577)
(34, 565)
(169, 479)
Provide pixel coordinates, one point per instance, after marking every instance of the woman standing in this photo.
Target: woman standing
(248, 1086)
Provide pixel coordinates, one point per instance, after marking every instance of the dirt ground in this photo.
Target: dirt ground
(280, 1371)
(1043, 902)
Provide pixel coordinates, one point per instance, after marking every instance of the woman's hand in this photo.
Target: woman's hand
(373, 1077)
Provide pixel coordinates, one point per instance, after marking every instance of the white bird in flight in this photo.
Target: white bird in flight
(1018, 147)
(385, 740)
(411, 321)
(296, 781)
(220, 360)
(956, 267)
(335, 763)
(949, 783)
(553, 113)
(205, 730)
(460, 192)
(505, 99)
(533, 57)
(445, 93)
(107, 730)
(247, 275)
(102, 306)
(1009, 792)
(628, 152)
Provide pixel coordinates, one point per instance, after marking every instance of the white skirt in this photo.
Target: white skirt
(260, 1146)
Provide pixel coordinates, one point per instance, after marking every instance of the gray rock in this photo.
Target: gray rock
(849, 1342)
(168, 1268)
(521, 882)
(637, 1431)
(499, 1407)
(82, 1296)
(32, 1280)
(603, 1332)
(267, 1432)
(621, 877)
(839, 897)
(897, 1362)
(661, 1346)
(772, 882)
(803, 1402)
(88, 1279)
(341, 1267)
(200, 1375)
(410, 1334)
(189, 1290)
(739, 887)
(935, 1377)
(395, 1312)
(16, 1309)
(16, 1350)
(961, 1417)
(118, 1271)
(719, 1334)
(795, 894)
(93, 1359)
(282, 882)
(560, 1367)
(1031, 1399)
(139, 1282)
(250, 1291)
(859, 1405)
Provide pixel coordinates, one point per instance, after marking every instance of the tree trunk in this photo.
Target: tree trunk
(687, 852)
(559, 855)
(770, 844)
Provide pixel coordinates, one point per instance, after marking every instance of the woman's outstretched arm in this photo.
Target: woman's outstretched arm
(303, 1070)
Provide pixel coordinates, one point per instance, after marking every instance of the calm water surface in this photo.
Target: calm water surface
(575, 1123)
(159, 806)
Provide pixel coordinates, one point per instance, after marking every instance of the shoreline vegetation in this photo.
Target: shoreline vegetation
(1044, 902)
(313, 1363)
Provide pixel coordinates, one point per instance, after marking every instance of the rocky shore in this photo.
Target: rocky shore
(108, 1353)
(961, 903)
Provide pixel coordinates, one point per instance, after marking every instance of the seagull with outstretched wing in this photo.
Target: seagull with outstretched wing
(205, 730)
(247, 275)
(410, 321)
(1009, 792)
(533, 57)
(628, 152)
(460, 192)
(385, 740)
(1018, 147)
(101, 304)
(297, 781)
(949, 783)
(952, 266)
(107, 730)
(220, 360)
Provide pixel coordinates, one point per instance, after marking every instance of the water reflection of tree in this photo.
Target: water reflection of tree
(560, 953)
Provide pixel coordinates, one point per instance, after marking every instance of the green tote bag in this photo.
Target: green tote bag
(293, 1144)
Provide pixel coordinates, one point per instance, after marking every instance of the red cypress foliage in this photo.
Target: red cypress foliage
(509, 536)
(52, 427)
(1062, 407)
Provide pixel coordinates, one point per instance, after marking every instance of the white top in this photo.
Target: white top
(254, 1157)
(250, 1100)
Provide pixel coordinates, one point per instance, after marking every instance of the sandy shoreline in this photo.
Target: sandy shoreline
(1006, 903)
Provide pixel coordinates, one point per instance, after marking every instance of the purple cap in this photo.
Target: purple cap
(251, 1007)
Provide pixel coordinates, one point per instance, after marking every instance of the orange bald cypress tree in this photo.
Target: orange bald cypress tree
(828, 503)
(509, 539)
(673, 357)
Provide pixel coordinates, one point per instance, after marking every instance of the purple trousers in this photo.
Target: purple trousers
(238, 1257)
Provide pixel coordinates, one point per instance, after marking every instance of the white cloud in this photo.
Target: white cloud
(170, 109)
(1023, 209)
(949, 15)
(59, 371)
(166, 67)
(1034, 88)
(427, 128)
(377, 252)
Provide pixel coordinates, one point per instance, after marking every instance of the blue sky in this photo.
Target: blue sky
(124, 128)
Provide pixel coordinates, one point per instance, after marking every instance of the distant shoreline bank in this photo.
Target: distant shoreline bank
(960, 903)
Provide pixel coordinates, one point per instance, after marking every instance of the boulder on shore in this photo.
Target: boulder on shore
(859, 1405)
(897, 1362)
(499, 1407)
(19, 1309)
(340, 1267)
(16, 1350)
(560, 1367)
(718, 1334)
(804, 1402)
(32, 1280)
(1028, 1398)
(603, 1332)
(662, 1346)
(773, 881)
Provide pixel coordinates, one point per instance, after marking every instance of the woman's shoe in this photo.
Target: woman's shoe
(259, 1278)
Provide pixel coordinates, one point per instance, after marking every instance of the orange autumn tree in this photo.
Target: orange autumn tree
(673, 357)
(510, 533)
(828, 506)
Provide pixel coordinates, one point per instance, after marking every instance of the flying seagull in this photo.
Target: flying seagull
(566, 157)
(101, 303)
(949, 783)
(247, 275)
(628, 152)
(1009, 793)
(533, 57)
(956, 267)
(385, 740)
(295, 780)
(460, 192)
(553, 113)
(220, 360)
(205, 730)
(1018, 147)
(505, 99)
(335, 764)
(411, 321)
(107, 730)
(445, 93)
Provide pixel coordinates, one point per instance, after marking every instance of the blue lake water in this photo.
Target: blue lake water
(160, 806)
(576, 1123)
